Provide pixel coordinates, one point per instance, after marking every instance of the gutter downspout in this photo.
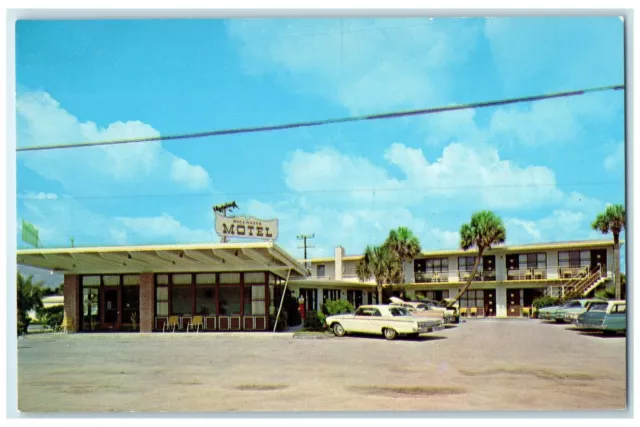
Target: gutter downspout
(286, 282)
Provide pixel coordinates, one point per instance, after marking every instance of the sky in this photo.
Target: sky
(547, 168)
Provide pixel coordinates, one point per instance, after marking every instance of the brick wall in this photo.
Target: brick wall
(147, 299)
(72, 299)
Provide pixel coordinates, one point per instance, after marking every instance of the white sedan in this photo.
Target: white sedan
(384, 320)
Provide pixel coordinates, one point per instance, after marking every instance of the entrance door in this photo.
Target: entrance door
(599, 257)
(513, 302)
(489, 267)
(112, 318)
(489, 302)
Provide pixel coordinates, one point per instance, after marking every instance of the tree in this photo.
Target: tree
(613, 220)
(485, 230)
(404, 243)
(29, 298)
(383, 264)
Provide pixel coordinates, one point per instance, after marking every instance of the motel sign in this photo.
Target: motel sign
(248, 227)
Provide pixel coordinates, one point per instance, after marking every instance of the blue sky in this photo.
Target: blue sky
(546, 168)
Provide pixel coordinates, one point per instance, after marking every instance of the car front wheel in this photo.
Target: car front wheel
(389, 334)
(338, 330)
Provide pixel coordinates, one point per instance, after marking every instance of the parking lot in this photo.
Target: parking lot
(479, 365)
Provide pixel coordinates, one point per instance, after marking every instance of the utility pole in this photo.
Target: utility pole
(223, 210)
(304, 238)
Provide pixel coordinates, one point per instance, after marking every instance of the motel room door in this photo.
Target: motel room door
(599, 257)
(513, 302)
(111, 312)
(489, 302)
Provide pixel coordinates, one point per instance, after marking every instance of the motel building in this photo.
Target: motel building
(509, 278)
(237, 286)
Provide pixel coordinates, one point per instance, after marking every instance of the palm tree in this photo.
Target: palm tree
(613, 220)
(381, 263)
(29, 298)
(405, 244)
(483, 231)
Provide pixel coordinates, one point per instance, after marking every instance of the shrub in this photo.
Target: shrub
(283, 322)
(606, 294)
(339, 306)
(314, 321)
(51, 316)
(545, 301)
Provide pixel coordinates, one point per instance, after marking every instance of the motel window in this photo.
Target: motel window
(181, 299)
(465, 263)
(91, 281)
(574, 259)
(206, 300)
(534, 260)
(162, 301)
(330, 294)
(432, 265)
(130, 304)
(320, 270)
(254, 296)
(473, 298)
(230, 300)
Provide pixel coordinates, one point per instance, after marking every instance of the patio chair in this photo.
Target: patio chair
(195, 323)
(172, 324)
(463, 311)
(526, 312)
(473, 312)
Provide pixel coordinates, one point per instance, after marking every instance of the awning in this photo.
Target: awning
(220, 257)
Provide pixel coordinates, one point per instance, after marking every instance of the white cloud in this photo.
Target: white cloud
(194, 177)
(614, 162)
(65, 218)
(38, 196)
(103, 169)
(464, 173)
(363, 64)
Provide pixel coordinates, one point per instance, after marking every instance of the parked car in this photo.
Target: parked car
(450, 313)
(609, 317)
(570, 311)
(386, 320)
(549, 313)
(424, 309)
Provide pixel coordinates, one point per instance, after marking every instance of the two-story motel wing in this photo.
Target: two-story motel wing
(509, 277)
(236, 286)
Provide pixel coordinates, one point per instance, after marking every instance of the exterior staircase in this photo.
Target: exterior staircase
(578, 286)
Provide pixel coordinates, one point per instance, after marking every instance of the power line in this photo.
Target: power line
(313, 123)
(328, 191)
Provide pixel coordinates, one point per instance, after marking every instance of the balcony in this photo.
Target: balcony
(481, 276)
(431, 277)
(527, 274)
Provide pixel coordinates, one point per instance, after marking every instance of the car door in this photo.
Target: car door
(360, 321)
(376, 322)
(616, 319)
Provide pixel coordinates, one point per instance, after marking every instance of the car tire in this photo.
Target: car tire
(338, 330)
(389, 333)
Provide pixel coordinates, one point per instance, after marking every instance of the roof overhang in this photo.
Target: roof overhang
(221, 257)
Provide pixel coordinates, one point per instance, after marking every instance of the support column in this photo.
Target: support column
(147, 302)
(72, 300)
(501, 301)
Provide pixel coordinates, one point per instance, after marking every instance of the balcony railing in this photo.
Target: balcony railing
(432, 277)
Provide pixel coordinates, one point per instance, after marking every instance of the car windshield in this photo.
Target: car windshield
(399, 311)
(598, 306)
(421, 307)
